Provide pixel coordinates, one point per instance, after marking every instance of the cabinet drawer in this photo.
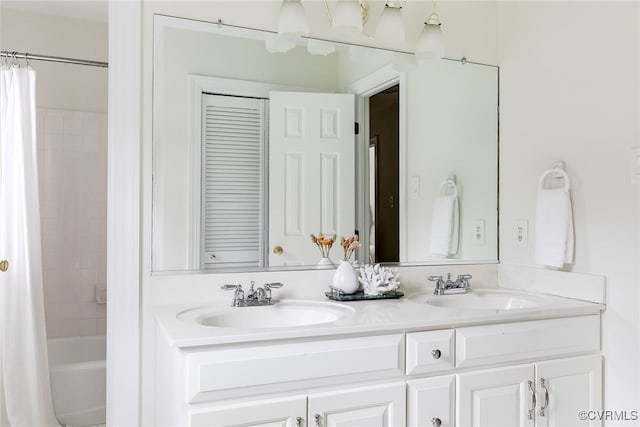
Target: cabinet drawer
(280, 411)
(230, 368)
(431, 351)
(527, 341)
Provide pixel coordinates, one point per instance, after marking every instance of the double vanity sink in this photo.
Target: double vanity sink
(195, 325)
(420, 360)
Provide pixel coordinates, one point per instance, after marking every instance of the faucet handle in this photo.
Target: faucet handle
(274, 285)
(434, 278)
(231, 287)
(464, 276)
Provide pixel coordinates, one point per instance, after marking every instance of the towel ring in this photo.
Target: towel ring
(448, 183)
(556, 172)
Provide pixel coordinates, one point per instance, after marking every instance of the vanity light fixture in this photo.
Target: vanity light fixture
(292, 21)
(292, 24)
(347, 17)
(390, 26)
(431, 42)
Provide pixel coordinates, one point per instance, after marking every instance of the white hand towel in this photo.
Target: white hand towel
(445, 225)
(554, 226)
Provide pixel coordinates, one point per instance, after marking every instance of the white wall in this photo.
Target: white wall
(62, 86)
(569, 90)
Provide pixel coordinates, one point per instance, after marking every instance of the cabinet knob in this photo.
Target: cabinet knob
(299, 422)
(316, 419)
(4, 265)
(436, 355)
(437, 422)
(278, 250)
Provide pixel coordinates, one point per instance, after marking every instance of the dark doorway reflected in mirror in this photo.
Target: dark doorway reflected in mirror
(384, 112)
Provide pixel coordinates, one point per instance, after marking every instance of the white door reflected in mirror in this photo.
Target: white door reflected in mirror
(311, 180)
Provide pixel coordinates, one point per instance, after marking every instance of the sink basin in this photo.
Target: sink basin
(486, 299)
(283, 314)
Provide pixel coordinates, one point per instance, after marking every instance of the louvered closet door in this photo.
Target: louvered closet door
(232, 181)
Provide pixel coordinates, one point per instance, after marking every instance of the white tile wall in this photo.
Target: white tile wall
(72, 153)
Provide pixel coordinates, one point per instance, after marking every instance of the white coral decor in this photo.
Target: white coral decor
(376, 280)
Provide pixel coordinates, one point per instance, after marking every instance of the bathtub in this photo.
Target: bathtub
(78, 379)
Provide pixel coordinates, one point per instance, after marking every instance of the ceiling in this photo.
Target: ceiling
(94, 10)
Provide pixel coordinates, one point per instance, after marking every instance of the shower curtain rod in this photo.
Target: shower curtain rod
(34, 57)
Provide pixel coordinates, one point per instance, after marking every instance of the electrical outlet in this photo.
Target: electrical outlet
(521, 233)
(414, 187)
(478, 232)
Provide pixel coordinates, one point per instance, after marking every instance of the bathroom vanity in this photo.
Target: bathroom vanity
(486, 358)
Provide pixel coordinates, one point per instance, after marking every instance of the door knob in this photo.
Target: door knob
(4, 265)
(278, 250)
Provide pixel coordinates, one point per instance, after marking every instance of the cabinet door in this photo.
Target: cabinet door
(500, 397)
(369, 406)
(431, 402)
(566, 387)
(285, 412)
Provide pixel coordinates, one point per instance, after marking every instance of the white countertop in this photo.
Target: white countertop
(410, 313)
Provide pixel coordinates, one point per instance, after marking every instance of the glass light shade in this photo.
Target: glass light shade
(278, 44)
(292, 21)
(390, 26)
(347, 17)
(320, 47)
(431, 43)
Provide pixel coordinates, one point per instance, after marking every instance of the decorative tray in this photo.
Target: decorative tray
(337, 295)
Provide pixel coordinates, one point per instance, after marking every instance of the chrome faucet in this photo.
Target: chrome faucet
(254, 297)
(238, 294)
(449, 287)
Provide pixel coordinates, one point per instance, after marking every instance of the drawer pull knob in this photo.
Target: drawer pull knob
(436, 355)
(437, 422)
(299, 422)
(316, 419)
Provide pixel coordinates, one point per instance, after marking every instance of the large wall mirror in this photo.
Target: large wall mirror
(253, 152)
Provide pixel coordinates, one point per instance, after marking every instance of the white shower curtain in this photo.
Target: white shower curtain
(25, 391)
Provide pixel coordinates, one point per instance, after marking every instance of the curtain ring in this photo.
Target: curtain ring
(26, 59)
